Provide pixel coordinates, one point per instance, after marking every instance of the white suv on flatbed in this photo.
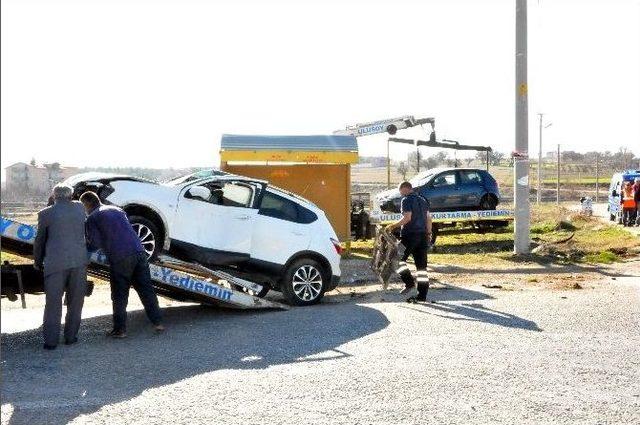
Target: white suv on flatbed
(229, 222)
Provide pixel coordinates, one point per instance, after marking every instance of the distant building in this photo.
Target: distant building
(35, 179)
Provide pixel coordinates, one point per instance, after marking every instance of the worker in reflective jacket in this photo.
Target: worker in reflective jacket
(628, 204)
(415, 234)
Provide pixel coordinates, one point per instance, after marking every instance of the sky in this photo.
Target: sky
(155, 84)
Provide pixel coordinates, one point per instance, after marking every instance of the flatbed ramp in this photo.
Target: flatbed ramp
(172, 278)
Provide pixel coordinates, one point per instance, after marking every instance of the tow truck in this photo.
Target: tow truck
(172, 278)
(364, 221)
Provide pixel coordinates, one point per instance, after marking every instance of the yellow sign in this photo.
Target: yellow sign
(523, 89)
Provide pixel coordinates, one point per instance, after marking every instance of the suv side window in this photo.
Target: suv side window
(445, 179)
(281, 208)
(470, 177)
(228, 194)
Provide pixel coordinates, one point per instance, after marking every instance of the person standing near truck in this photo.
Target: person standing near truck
(628, 202)
(415, 234)
(108, 228)
(60, 251)
(636, 197)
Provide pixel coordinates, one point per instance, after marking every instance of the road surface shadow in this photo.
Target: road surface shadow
(449, 303)
(474, 312)
(50, 387)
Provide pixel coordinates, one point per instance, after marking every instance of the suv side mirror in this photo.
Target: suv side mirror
(614, 193)
(199, 192)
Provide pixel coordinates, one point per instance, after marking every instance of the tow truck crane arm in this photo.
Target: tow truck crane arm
(448, 144)
(390, 126)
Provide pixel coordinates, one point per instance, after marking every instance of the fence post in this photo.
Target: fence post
(558, 178)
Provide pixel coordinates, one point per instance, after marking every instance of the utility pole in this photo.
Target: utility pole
(558, 177)
(388, 166)
(597, 175)
(539, 183)
(521, 159)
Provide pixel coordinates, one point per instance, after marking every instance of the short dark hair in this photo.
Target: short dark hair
(405, 184)
(90, 198)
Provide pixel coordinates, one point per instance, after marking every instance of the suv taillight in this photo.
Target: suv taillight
(337, 246)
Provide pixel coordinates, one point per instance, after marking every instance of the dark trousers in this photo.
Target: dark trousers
(628, 216)
(74, 282)
(133, 269)
(415, 245)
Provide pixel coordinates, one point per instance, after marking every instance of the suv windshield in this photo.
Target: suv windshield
(198, 175)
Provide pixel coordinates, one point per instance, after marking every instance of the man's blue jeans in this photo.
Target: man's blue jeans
(132, 270)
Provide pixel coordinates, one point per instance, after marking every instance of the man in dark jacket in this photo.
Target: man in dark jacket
(415, 234)
(108, 229)
(61, 252)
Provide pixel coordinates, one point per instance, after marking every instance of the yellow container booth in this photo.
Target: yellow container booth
(317, 168)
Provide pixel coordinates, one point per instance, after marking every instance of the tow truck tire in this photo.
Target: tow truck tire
(488, 202)
(149, 235)
(304, 282)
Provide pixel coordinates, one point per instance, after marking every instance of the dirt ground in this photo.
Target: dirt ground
(360, 281)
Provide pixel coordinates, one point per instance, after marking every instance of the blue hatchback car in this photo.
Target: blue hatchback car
(448, 189)
(615, 211)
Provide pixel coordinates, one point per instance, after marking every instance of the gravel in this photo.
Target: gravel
(476, 356)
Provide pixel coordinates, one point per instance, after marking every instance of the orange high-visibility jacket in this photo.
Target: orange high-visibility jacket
(627, 197)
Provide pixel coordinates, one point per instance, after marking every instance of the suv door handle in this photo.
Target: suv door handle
(242, 217)
(297, 233)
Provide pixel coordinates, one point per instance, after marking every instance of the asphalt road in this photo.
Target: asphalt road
(477, 356)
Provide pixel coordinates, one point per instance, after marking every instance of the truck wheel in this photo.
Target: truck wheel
(488, 202)
(304, 282)
(612, 217)
(149, 235)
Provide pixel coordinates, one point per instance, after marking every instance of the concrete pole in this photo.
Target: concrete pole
(558, 177)
(597, 175)
(521, 163)
(538, 195)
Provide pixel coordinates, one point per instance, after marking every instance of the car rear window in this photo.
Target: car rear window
(284, 209)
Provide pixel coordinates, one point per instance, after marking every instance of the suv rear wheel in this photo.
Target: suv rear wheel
(304, 282)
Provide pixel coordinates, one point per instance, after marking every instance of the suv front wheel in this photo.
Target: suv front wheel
(304, 282)
(149, 235)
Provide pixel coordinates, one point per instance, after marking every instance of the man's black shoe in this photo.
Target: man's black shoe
(71, 341)
(408, 289)
(117, 334)
(49, 347)
(417, 299)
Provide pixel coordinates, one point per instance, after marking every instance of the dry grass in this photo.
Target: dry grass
(592, 242)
